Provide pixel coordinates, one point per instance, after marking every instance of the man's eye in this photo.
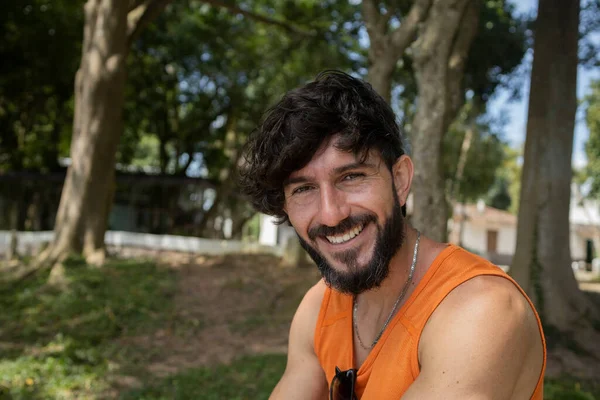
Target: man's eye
(301, 189)
(353, 176)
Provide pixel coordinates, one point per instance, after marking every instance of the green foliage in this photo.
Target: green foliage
(250, 377)
(42, 40)
(201, 67)
(58, 342)
(504, 193)
(592, 146)
(485, 155)
(499, 196)
(497, 50)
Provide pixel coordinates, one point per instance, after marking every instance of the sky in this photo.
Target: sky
(516, 111)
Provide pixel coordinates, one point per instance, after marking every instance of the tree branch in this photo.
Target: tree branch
(133, 4)
(403, 36)
(373, 21)
(457, 59)
(260, 18)
(144, 13)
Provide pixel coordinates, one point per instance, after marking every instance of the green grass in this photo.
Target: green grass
(251, 377)
(254, 377)
(61, 343)
(57, 344)
(570, 389)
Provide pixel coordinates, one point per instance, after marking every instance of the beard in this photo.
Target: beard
(359, 278)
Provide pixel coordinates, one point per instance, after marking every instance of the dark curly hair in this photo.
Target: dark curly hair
(294, 129)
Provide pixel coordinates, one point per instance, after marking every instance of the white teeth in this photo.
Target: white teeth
(345, 237)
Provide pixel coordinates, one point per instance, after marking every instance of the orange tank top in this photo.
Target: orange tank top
(333, 341)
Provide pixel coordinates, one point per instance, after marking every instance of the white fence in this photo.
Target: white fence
(29, 242)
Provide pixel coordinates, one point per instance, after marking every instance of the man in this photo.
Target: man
(397, 315)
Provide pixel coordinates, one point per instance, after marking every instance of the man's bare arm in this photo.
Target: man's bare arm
(482, 343)
(303, 377)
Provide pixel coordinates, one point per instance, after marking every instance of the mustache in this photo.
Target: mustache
(343, 226)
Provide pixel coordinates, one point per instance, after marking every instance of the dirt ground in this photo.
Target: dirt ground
(233, 305)
(225, 307)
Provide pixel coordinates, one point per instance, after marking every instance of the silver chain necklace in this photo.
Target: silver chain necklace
(402, 293)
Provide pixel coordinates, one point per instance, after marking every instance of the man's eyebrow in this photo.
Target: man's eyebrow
(295, 179)
(354, 165)
(338, 170)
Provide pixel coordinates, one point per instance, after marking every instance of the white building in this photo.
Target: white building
(484, 230)
(493, 233)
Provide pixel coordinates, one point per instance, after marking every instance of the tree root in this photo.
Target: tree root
(44, 261)
(575, 353)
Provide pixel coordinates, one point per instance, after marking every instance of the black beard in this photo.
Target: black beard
(359, 279)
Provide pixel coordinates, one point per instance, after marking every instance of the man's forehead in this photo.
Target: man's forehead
(337, 157)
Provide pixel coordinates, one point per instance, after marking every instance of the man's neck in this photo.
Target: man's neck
(380, 301)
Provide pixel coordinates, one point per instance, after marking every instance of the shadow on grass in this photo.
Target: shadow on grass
(57, 343)
(249, 377)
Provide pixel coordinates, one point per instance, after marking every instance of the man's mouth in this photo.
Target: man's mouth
(346, 236)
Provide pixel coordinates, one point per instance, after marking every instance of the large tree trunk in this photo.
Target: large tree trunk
(81, 221)
(99, 96)
(542, 261)
(440, 57)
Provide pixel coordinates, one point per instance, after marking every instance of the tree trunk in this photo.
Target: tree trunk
(440, 57)
(227, 185)
(386, 47)
(542, 261)
(86, 199)
(454, 190)
(99, 93)
(12, 251)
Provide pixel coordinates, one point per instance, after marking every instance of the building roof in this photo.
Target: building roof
(480, 214)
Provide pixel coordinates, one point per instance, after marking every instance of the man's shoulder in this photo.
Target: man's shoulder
(485, 291)
(485, 327)
(484, 300)
(306, 317)
(311, 303)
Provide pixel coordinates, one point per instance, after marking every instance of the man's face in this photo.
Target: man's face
(347, 215)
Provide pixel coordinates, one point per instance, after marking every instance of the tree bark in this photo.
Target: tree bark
(542, 261)
(454, 190)
(386, 48)
(440, 57)
(231, 145)
(13, 245)
(81, 222)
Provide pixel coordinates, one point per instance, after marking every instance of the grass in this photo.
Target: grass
(58, 344)
(251, 377)
(570, 389)
(254, 377)
(64, 344)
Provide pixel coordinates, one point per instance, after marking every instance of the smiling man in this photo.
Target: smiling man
(396, 315)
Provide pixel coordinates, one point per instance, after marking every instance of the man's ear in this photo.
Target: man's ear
(402, 174)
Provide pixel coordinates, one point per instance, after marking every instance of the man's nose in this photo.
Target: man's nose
(333, 207)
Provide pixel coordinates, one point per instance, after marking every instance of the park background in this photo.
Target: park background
(134, 269)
